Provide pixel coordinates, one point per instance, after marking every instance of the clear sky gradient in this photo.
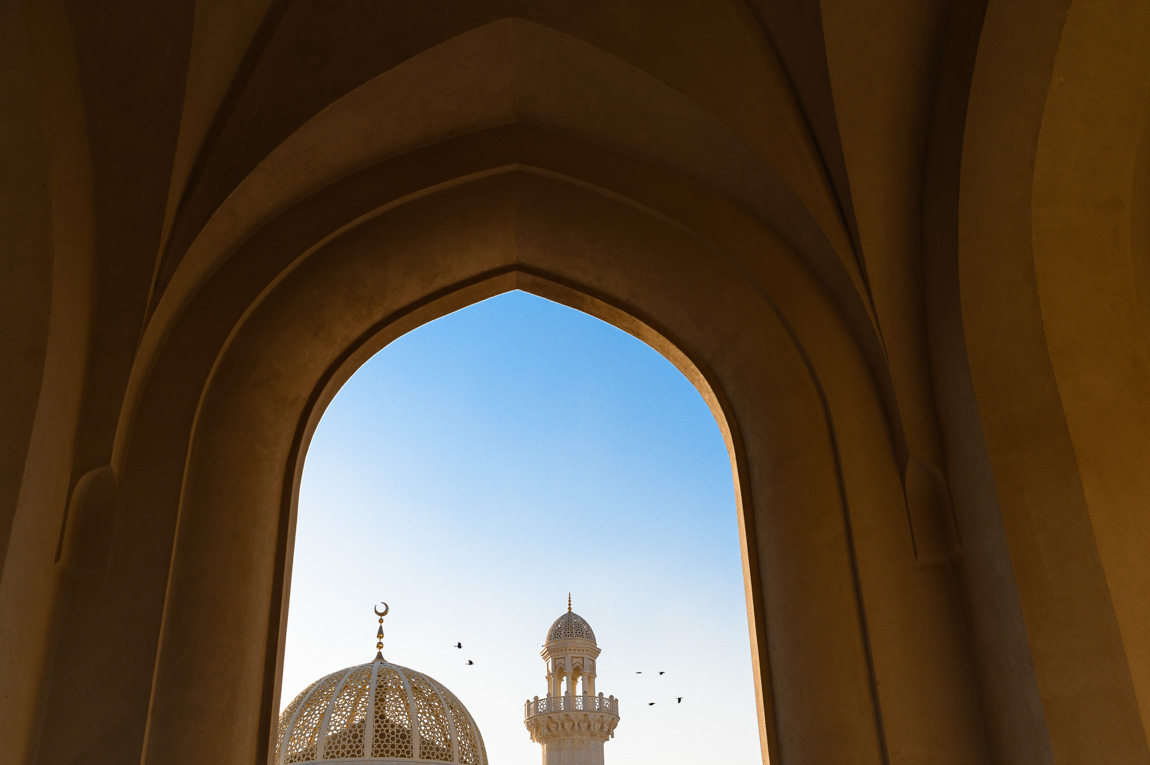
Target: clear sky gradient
(480, 467)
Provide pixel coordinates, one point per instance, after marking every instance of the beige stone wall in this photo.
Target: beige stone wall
(900, 247)
(580, 752)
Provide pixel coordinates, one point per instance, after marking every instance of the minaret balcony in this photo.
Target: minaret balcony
(608, 705)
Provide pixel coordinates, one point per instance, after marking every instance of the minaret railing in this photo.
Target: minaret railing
(548, 704)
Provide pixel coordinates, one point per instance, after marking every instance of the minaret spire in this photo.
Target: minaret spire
(568, 601)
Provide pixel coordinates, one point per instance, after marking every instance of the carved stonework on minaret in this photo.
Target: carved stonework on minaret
(572, 721)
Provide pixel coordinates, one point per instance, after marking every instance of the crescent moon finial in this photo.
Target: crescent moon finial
(379, 632)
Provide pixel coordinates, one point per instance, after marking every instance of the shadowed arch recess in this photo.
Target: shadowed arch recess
(1045, 295)
(824, 530)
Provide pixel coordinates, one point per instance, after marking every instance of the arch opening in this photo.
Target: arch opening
(576, 536)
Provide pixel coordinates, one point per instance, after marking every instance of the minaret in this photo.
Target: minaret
(571, 722)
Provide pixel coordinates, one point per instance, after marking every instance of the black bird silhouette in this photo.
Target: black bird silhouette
(459, 645)
(638, 673)
(470, 662)
(650, 703)
(678, 699)
(662, 673)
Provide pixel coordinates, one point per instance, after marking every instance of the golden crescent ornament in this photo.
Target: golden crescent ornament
(385, 609)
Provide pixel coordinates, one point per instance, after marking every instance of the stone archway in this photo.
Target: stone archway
(208, 241)
(834, 592)
(714, 239)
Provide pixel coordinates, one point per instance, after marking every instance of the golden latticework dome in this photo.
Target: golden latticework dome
(382, 713)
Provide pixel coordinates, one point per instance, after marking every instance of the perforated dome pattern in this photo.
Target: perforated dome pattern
(570, 625)
(382, 711)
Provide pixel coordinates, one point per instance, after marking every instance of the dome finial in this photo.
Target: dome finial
(568, 601)
(379, 632)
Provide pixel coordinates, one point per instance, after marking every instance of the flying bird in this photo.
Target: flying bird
(650, 703)
(662, 673)
(459, 645)
(470, 662)
(638, 673)
(678, 699)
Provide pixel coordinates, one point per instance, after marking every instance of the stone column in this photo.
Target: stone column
(553, 681)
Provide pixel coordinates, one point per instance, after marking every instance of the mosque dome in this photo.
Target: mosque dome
(380, 712)
(570, 626)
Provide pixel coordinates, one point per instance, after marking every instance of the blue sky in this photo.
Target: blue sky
(480, 467)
